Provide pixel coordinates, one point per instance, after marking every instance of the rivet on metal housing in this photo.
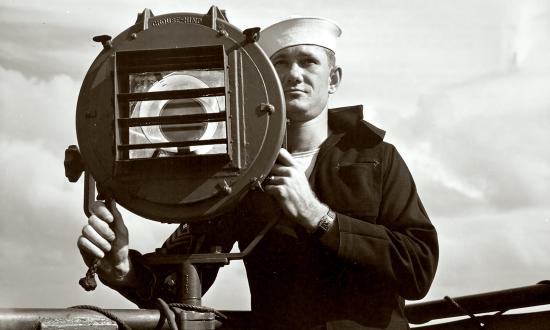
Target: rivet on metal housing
(226, 189)
(266, 107)
(222, 33)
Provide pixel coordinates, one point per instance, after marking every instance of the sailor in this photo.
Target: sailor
(353, 240)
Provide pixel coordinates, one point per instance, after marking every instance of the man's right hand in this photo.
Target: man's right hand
(105, 237)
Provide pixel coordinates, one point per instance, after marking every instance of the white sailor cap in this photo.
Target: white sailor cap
(299, 31)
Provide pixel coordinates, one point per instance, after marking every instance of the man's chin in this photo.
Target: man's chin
(293, 110)
(296, 105)
(296, 114)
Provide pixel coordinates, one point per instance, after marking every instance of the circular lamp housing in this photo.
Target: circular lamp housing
(179, 116)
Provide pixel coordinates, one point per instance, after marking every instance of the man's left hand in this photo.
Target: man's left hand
(290, 187)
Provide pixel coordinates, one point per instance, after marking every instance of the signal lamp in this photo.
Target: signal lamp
(178, 117)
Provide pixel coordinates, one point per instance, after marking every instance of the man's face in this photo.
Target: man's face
(306, 77)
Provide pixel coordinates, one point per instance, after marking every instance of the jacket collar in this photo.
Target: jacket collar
(345, 119)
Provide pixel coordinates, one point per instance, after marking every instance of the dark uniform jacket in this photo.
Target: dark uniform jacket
(387, 249)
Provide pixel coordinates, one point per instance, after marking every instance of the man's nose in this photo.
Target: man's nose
(294, 74)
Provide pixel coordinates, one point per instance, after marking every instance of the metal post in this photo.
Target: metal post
(189, 284)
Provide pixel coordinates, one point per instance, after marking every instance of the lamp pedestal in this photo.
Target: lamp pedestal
(188, 290)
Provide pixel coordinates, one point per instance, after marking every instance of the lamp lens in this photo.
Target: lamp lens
(151, 82)
(183, 132)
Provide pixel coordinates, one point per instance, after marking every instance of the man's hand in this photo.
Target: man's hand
(291, 189)
(105, 237)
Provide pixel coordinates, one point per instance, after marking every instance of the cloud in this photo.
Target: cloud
(38, 110)
(41, 219)
(476, 138)
(42, 42)
(490, 133)
(38, 227)
(491, 251)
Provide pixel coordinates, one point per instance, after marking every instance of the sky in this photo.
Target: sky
(462, 89)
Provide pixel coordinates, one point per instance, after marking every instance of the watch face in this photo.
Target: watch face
(326, 220)
(325, 223)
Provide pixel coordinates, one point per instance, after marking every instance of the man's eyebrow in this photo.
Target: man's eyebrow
(279, 57)
(308, 53)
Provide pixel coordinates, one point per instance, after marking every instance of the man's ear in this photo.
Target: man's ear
(335, 79)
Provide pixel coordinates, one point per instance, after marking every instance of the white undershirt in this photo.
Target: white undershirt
(306, 160)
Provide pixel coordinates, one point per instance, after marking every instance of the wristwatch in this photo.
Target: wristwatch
(324, 224)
